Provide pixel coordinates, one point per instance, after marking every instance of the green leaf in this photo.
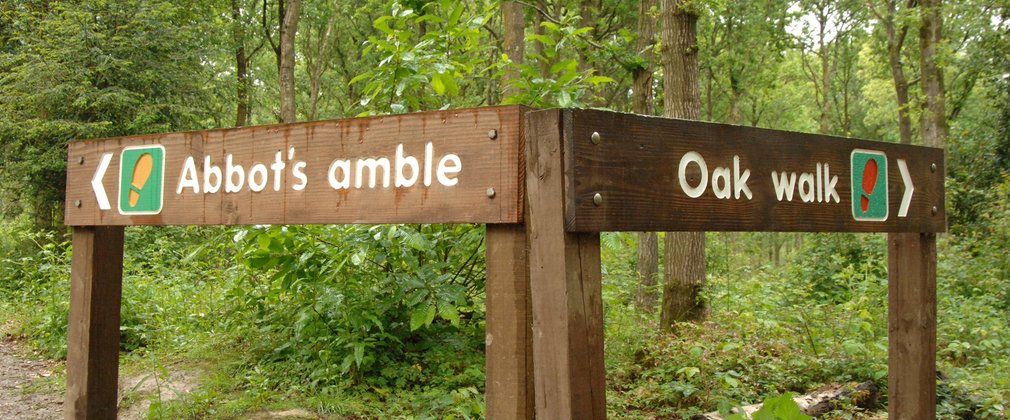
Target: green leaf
(455, 14)
(551, 25)
(688, 371)
(449, 312)
(421, 316)
(382, 26)
(438, 85)
(780, 407)
(599, 79)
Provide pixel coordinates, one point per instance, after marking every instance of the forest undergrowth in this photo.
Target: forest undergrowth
(388, 321)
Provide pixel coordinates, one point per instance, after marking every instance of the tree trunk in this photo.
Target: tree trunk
(514, 22)
(642, 103)
(934, 115)
(317, 62)
(895, 43)
(241, 68)
(685, 251)
(825, 77)
(289, 26)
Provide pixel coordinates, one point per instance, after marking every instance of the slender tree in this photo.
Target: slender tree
(895, 34)
(512, 12)
(934, 115)
(243, 56)
(685, 251)
(642, 103)
(289, 27)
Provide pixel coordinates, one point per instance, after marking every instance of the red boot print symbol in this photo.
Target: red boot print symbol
(869, 182)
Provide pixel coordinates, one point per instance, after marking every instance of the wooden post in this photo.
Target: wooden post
(93, 334)
(565, 285)
(508, 350)
(911, 323)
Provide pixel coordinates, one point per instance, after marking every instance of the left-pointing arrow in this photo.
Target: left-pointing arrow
(96, 182)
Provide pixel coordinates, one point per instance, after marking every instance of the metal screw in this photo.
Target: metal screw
(596, 137)
(492, 134)
(934, 210)
(80, 160)
(490, 192)
(932, 168)
(77, 203)
(597, 199)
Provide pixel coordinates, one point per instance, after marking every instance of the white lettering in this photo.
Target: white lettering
(784, 184)
(402, 162)
(258, 170)
(820, 191)
(188, 179)
(724, 191)
(740, 180)
(698, 190)
(230, 171)
(208, 170)
(444, 169)
(428, 152)
(298, 170)
(829, 186)
(373, 166)
(278, 168)
(806, 187)
(345, 170)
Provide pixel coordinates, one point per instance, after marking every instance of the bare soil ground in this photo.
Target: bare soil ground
(23, 397)
(18, 398)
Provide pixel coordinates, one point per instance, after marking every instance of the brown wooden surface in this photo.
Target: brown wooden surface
(508, 347)
(93, 333)
(486, 163)
(635, 166)
(911, 326)
(565, 287)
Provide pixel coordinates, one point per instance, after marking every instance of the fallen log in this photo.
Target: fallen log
(819, 402)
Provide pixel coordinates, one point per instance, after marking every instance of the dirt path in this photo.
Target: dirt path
(18, 372)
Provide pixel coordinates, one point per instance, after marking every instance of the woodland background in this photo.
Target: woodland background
(388, 321)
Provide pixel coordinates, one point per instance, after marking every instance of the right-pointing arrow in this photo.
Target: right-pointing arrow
(906, 200)
(96, 182)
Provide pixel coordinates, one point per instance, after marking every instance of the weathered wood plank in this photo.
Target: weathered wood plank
(636, 170)
(298, 158)
(565, 286)
(911, 325)
(93, 333)
(508, 346)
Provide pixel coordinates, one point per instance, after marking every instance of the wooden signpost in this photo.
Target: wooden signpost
(546, 183)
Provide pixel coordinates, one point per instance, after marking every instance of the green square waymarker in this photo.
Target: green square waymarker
(869, 185)
(141, 180)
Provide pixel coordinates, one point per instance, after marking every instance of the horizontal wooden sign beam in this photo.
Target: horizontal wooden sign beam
(456, 166)
(635, 173)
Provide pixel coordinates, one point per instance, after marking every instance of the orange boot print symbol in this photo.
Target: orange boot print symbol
(141, 172)
(141, 181)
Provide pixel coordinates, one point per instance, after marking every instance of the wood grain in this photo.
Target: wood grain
(508, 346)
(487, 163)
(635, 170)
(93, 331)
(565, 286)
(911, 325)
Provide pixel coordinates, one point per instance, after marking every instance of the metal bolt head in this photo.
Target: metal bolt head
(933, 210)
(491, 192)
(80, 160)
(77, 203)
(595, 137)
(597, 199)
(932, 167)
(492, 134)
